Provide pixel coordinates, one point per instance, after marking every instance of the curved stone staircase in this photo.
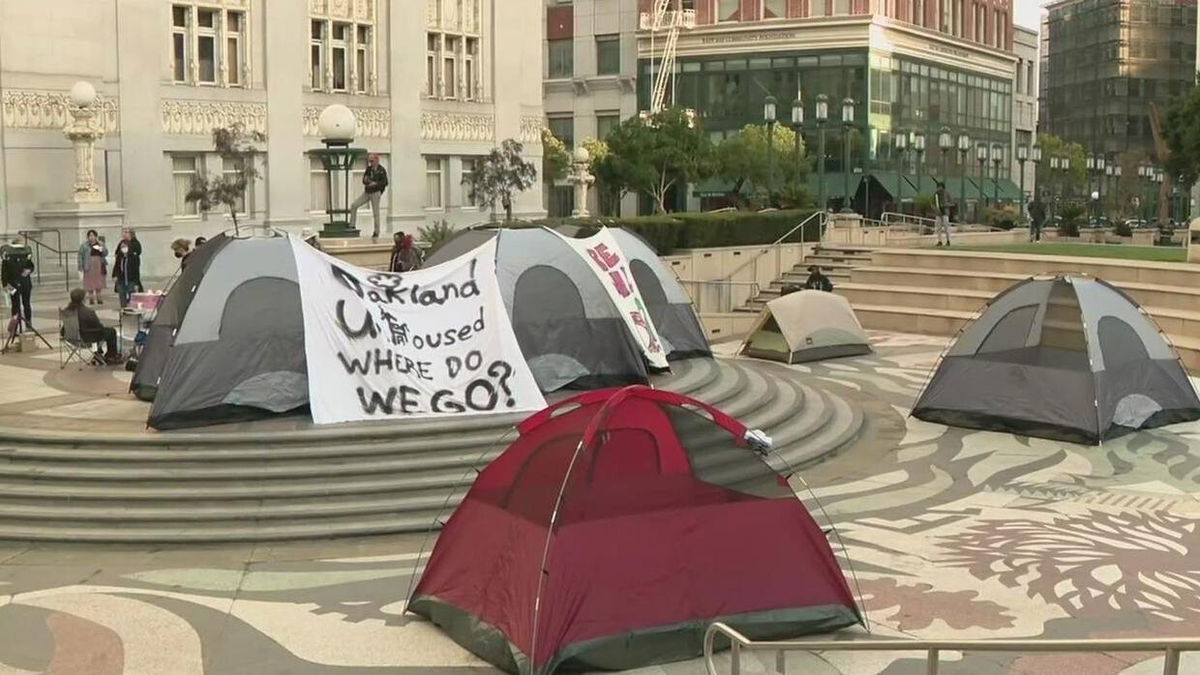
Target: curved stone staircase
(350, 480)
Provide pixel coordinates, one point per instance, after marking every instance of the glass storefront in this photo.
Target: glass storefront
(902, 94)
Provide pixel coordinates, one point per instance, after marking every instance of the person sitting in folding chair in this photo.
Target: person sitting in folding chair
(91, 331)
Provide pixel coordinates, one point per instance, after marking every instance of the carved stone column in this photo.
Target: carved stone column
(581, 177)
(83, 134)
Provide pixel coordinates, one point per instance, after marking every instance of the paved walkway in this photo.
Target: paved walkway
(952, 533)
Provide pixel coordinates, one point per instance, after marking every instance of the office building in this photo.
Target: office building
(434, 85)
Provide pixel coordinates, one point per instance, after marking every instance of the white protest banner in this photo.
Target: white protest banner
(603, 255)
(432, 342)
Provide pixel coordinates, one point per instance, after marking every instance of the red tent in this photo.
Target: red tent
(615, 529)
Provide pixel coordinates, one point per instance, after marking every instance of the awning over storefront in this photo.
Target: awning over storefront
(896, 186)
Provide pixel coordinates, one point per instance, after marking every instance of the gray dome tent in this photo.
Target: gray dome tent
(238, 353)
(168, 317)
(569, 330)
(1065, 357)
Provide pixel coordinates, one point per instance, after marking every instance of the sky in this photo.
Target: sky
(1028, 13)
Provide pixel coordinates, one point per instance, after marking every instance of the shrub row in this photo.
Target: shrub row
(670, 232)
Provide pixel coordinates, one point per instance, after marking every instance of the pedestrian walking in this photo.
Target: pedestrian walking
(93, 267)
(1037, 218)
(941, 205)
(375, 181)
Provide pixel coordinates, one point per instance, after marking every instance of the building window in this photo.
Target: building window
(206, 45)
(341, 56)
(180, 42)
(184, 172)
(230, 168)
(728, 10)
(774, 9)
(561, 58)
(608, 54)
(563, 128)
(469, 198)
(362, 60)
(817, 8)
(605, 123)
(453, 61)
(841, 7)
(435, 189)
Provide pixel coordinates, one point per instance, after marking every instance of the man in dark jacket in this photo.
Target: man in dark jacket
(16, 277)
(375, 181)
(90, 328)
(817, 281)
(1037, 217)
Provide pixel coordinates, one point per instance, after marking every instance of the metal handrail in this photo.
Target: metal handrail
(725, 299)
(1171, 648)
(820, 215)
(32, 236)
(889, 216)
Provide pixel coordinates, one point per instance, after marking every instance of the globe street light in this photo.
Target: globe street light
(822, 115)
(1022, 157)
(997, 158)
(919, 147)
(847, 126)
(769, 117)
(798, 127)
(901, 142)
(981, 155)
(945, 144)
(338, 125)
(964, 147)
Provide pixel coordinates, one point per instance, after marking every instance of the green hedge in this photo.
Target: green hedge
(668, 233)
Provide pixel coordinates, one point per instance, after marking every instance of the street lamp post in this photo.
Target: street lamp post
(919, 147)
(822, 115)
(769, 117)
(1055, 183)
(901, 143)
(1022, 157)
(945, 144)
(338, 125)
(964, 147)
(1116, 188)
(847, 126)
(797, 127)
(981, 155)
(1158, 181)
(997, 159)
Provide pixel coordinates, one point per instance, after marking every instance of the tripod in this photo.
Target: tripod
(20, 324)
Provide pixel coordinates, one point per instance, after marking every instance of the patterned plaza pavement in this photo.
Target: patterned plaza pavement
(952, 534)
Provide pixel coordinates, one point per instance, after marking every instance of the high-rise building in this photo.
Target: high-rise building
(1110, 64)
(434, 84)
(1026, 44)
(912, 67)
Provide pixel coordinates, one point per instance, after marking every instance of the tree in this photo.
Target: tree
(237, 146)
(556, 160)
(748, 158)
(500, 175)
(1181, 133)
(602, 168)
(1075, 179)
(654, 154)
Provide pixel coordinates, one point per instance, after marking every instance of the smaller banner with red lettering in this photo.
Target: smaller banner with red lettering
(604, 256)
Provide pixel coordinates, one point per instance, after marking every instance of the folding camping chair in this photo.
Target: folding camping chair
(71, 344)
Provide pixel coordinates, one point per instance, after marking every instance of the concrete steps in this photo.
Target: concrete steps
(837, 262)
(340, 481)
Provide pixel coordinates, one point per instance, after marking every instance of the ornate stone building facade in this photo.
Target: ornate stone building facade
(434, 84)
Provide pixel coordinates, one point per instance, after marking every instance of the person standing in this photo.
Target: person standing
(93, 267)
(16, 277)
(941, 206)
(127, 267)
(1037, 218)
(375, 181)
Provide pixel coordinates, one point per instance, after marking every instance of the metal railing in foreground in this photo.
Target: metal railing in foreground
(1171, 648)
(33, 239)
